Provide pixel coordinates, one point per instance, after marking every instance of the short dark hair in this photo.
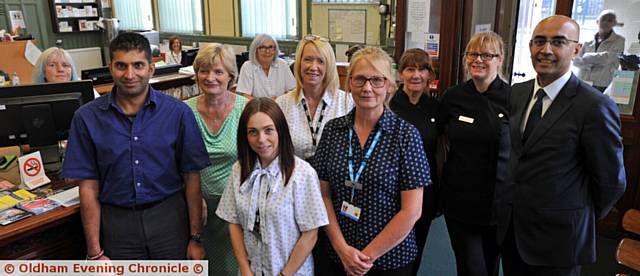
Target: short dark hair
(129, 41)
(415, 57)
(246, 156)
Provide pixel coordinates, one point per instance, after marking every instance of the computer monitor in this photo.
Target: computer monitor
(40, 115)
(188, 56)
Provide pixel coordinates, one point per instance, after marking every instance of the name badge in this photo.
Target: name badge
(357, 186)
(465, 119)
(350, 211)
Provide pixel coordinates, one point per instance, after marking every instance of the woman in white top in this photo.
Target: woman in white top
(265, 74)
(317, 98)
(174, 56)
(272, 201)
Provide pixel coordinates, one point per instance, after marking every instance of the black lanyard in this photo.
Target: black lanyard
(314, 132)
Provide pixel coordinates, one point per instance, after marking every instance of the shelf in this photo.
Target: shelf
(71, 24)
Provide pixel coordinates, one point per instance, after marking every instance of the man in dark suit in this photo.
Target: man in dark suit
(566, 169)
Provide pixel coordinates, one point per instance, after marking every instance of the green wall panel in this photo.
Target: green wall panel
(38, 21)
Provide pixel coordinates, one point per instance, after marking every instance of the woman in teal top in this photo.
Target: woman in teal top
(217, 111)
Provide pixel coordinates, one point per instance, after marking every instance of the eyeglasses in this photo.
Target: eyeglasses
(376, 82)
(311, 37)
(555, 42)
(266, 48)
(483, 56)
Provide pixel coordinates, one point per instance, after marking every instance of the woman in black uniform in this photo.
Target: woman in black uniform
(413, 103)
(474, 119)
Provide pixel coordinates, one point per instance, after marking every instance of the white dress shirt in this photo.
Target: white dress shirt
(338, 105)
(252, 79)
(551, 91)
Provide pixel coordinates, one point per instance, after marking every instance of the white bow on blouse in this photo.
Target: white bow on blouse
(259, 194)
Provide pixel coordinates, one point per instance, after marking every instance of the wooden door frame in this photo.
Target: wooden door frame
(451, 23)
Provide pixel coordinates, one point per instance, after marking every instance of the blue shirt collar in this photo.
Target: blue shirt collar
(152, 97)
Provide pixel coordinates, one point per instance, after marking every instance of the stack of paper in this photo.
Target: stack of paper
(67, 198)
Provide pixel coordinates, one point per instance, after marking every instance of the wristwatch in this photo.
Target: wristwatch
(197, 237)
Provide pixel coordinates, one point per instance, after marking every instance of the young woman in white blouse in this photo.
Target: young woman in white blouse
(317, 98)
(272, 202)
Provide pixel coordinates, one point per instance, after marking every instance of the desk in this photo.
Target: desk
(55, 235)
(163, 82)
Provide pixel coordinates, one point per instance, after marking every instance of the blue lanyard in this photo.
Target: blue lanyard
(353, 179)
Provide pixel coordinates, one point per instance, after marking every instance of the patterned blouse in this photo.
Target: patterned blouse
(221, 147)
(397, 163)
(333, 105)
(273, 216)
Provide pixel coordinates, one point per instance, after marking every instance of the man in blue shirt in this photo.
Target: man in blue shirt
(137, 154)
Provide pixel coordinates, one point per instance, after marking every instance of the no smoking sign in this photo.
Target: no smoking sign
(32, 167)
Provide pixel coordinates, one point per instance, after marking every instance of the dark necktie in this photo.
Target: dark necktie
(535, 115)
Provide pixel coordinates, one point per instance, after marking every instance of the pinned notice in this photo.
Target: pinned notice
(32, 170)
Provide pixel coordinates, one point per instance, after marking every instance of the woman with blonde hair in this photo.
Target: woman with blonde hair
(372, 169)
(317, 97)
(475, 120)
(217, 113)
(55, 65)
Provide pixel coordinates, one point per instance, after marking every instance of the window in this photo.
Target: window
(586, 12)
(275, 17)
(134, 15)
(180, 16)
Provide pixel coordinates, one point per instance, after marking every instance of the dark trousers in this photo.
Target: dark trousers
(160, 232)
(513, 265)
(321, 262)
(422, 232)
(338, 270)
(475, 247)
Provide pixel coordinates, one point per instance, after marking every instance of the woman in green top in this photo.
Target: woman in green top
(217, 111)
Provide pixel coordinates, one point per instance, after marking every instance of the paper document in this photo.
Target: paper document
(31, 52)
(67, 198)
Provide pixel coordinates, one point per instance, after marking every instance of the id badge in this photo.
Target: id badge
(350, 211)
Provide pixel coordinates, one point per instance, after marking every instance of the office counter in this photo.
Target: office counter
(56, 234)
(163, 82)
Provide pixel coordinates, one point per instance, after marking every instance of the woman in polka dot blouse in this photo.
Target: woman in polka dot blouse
(372, 169)
(272, 202)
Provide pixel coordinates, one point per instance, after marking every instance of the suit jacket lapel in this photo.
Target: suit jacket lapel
(558, 107)
(521, 95)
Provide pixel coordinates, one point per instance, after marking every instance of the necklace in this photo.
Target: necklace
(219, 114)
